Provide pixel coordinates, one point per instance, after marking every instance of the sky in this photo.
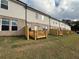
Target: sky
(60, 9)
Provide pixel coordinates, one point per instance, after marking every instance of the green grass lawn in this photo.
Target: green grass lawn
(61, 47)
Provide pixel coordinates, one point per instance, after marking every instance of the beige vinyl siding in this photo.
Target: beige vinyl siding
(14, 10)
(17, 11)
(19, 31)
(0, 3)
(46, 20)
(32, 17)
(54, 24)
(62, 26)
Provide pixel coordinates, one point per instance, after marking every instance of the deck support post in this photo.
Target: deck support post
(27, 32)
(35, 33)
(46, 33)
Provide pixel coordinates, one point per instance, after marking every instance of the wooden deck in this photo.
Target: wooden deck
(60, 32)
(55, 32)
(35, 34)
(38, 34)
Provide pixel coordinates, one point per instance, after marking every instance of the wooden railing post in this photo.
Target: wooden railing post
(35, 34)
(27, 32)
(46, 33)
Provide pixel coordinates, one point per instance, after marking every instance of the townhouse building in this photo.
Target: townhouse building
(14, 15)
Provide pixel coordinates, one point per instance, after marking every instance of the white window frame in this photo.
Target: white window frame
(0, 3)
(14, 20)
(36, 15)
(0, 24)
(39, 16)
(42, 17)
(4, 2)
(6, 19)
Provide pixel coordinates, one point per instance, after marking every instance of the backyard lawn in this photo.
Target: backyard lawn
(61, 47)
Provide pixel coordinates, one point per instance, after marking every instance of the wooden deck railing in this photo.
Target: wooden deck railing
(59, 32)
(38, 34)
(56, 32)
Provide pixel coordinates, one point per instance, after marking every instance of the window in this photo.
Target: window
(14, 25)
(36, 15)
(4, 4)
(42, 17)
(39, 16)
(5, 24)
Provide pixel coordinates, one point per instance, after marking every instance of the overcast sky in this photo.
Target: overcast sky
(61, 9)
